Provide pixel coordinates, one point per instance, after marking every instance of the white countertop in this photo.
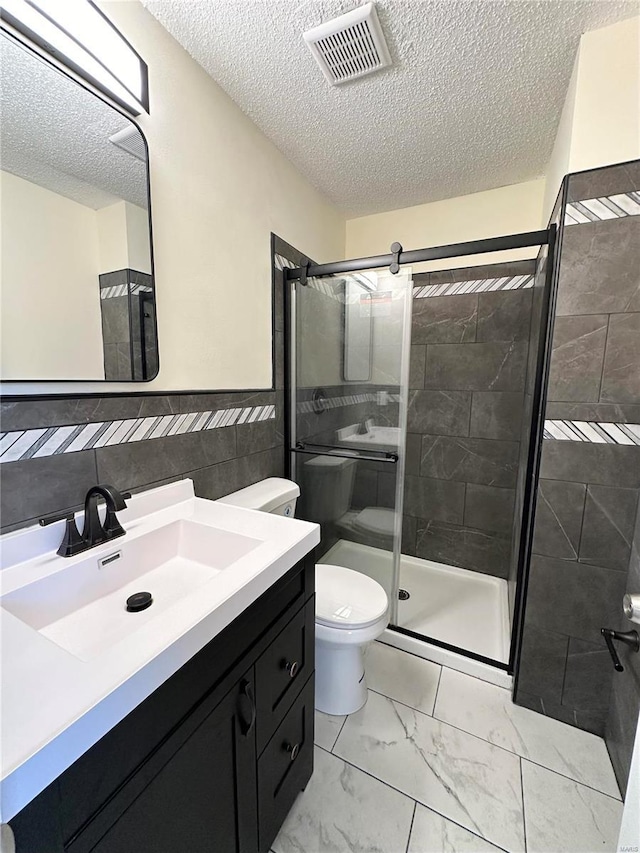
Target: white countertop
(55, 706)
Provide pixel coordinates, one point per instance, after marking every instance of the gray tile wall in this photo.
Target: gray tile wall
(587, 500)
(467, 381)
(219, 460)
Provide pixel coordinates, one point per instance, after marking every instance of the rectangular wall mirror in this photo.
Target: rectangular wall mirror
(358, 327)
(77, 297)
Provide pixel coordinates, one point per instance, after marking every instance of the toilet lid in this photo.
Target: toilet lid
(375, 519)
(347, 599)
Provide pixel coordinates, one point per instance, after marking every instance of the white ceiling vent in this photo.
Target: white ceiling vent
(349, 46)
(130, 140)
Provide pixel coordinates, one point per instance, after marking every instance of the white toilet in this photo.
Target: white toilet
(351, 609)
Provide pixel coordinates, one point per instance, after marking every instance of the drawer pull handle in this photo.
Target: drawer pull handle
(247, 693)
(292, 750)
(292, 668)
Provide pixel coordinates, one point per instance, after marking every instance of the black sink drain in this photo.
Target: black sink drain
(139, 601)
(403, 594)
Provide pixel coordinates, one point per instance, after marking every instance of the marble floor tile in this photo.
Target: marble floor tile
(565, 817)
(460, 776)
(342, 810)
(327, 729)
(432, 833)
(487, 711)
(402, 676)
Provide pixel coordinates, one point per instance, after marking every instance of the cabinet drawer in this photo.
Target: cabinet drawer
(282, 670)
(285, 766)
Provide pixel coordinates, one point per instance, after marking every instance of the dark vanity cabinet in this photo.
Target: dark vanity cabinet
(213, 760)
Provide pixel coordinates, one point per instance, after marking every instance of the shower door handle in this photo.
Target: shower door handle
(345, 452)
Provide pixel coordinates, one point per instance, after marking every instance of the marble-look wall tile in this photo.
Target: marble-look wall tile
(470, 460)
(583, 462)
(596, 278)
(504, 316)
(489, 508)
(409, 531)
(577, 356)
(588, 721)
(542, 664)
(439, 412)
(413, 451)
(612, 413)
(432, 498)
(466, 547)
(612, 180)
(609, 521)
(416, 366)
(588, 676)
(497, 414)
(621, 375)
(559, 509)
(573, 598)
(476, 367)
(256, 436)
(217, 480)
(444, 320)
(127, 465)
(32, 488)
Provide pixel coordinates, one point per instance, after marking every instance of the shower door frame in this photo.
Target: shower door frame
(550, 237)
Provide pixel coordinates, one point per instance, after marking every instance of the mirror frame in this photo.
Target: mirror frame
(18, 39)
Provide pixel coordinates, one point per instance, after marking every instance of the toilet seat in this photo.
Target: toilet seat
(375, 519)
(347, 599)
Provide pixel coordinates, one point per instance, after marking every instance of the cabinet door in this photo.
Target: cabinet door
(203, 800)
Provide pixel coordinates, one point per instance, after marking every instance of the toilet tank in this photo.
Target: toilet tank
(328, 487)
(271, 495)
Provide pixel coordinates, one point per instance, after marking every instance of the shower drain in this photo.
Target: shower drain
(403, 594)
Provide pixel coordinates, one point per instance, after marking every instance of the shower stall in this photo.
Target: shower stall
(411, 416)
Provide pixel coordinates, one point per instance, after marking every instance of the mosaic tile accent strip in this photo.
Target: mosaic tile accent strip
(599, 209)
(52, 441)
(482, 285)
(592, 431)
(114, 290)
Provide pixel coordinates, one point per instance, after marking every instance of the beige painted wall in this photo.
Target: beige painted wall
(42, 333)
(505, 210)
(218, 188)
(600, 122)
(123, 236)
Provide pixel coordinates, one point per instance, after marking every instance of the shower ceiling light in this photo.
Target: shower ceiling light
(77, 34)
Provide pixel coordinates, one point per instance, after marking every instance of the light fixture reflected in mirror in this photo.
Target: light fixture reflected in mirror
(79, 35)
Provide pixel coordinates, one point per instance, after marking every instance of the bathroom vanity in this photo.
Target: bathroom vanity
(215, 755)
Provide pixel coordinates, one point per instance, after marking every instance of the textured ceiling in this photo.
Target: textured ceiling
(55, 133)
(472, 101)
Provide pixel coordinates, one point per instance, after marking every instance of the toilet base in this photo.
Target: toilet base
(341, 687)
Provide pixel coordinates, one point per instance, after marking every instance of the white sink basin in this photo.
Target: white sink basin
(82, 607)
(75, 662)
(376, 437)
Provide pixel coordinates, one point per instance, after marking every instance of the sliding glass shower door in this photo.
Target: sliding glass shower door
(349, 365)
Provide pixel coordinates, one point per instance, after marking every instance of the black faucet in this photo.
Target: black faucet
(94, 532)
